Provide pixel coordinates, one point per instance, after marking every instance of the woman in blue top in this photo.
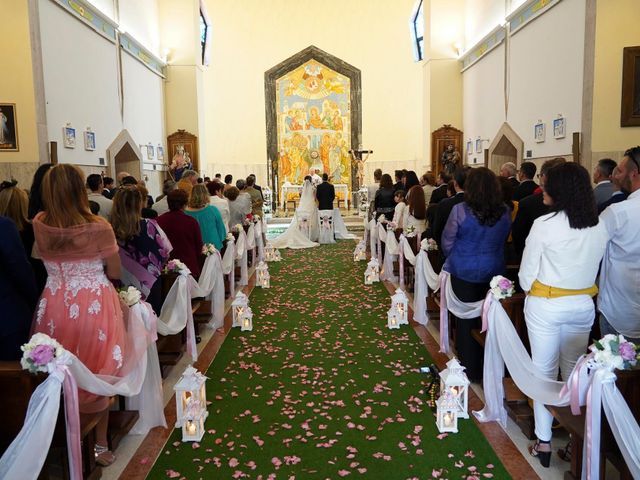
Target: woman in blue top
(208, 216)
(473, 244)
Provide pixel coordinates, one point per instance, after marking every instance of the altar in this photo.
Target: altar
(342, 193)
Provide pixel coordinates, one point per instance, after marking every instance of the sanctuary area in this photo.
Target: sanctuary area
(297, 240)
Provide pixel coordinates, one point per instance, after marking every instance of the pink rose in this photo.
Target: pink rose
(504, 284)
(627, 351)
(42, 354)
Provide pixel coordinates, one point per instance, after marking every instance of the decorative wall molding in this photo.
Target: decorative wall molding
(528, 12)
(492, 40)
(144, 56)
(91, 17)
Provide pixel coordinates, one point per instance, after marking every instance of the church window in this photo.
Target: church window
(205, 32)
(417, 30)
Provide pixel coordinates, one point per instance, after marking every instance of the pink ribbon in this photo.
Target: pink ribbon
(72, 424)
(232, 273)
(485, 310)
(444, 314)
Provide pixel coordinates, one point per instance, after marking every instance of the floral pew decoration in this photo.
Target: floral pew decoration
(228, 261)
(241, 248)
(210, 284)
(425, 278)
(591, 383)
(139, 380)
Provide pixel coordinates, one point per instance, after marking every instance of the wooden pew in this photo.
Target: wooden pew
(18, 386)
(628, 382)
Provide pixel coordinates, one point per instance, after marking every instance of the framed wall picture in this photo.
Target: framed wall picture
(539, 132)
(89, 140)
(478, 145)
(630, 107)
(150, 151)
(69, 137)
(559, 127)
(160, 153)
(8, 128)
(469, 147)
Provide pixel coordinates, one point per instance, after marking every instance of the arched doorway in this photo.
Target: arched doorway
(123, 155)
(507, 146)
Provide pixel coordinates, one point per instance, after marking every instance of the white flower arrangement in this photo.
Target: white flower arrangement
(230, 236)
(382, 219)
(392, 225)
(614, 352)
(410, 231)
(501, 287)
(209, 249)
(237, 227)
(40, 352)
(428, 245)
(130, 295)
(176, 266)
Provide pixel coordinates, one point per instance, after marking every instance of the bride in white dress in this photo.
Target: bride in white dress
(303, 230)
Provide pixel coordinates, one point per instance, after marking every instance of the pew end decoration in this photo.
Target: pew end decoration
(454, 381)
(360, 253)
(372, 273)
(410, 231)
(428, 245)
(176, 266)
(393, 318)
(191, 404)
(129, 296)
(246, 320)
(447, 413)
(239, 306)
(613, 352)
(400, 303)
(262, 275)
(208, 249)
(501, 287)
(40, 352)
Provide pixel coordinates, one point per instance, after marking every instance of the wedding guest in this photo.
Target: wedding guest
(428, 183)
(558, 273)
(147, 211)
(398, 212)
(602, 178)
(373, 188)
(208, 216)
(109, 187)
(527, 186)
(239, 206)
(440, 192)
(161, 206)
(228, 182)
(409, 180)
(384, 203)
(144, 248)
(256, 197)
(14, 204)
(18, 292)
(182, 231)
(398, 174)
(96, 188)
(415, 215)
(79, 305)
(35, 192)
(473, 244)
(218, 200)
(509, 170)
(445, 206)
(188, 180)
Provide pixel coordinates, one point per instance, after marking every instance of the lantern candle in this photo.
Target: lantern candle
(191, 427)
(448, 419)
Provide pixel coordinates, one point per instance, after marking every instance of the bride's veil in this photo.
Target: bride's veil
(307, 198)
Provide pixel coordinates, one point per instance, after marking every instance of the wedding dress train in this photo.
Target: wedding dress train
(303, 231)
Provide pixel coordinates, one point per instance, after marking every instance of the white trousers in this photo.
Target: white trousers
(558, 333)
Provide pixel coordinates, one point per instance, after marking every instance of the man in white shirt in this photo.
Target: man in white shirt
(218, 200)
(619, 296)
(95, 186)
(602, 178)
(161, 206)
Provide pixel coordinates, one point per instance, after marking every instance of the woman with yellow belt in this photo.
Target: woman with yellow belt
(558, 272)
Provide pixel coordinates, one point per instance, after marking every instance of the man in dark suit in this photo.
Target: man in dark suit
(446, 205)
(440, 192)
(325, 194)
(398, 185)
(527, 186)
(530, 208)
(509, 170)
(256, 186)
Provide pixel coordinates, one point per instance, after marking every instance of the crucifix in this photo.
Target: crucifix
(358, 157)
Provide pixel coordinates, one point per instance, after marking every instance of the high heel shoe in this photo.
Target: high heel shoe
(543, 456)
(104, 456)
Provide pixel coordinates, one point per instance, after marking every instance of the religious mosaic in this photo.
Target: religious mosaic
(314, 124)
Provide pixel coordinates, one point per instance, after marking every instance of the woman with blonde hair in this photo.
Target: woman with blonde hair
(208, 216)
(144, 248)
(79, 306)
(14, 203)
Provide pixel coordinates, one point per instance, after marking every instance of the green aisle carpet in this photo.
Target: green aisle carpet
(322, 389)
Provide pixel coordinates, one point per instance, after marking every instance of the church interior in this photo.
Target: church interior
(243, 351)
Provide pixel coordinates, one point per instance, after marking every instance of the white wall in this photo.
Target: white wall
(545, 63)
(140, 18)
(252, 36)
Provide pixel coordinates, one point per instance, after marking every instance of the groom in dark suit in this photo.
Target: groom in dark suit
(325, 193)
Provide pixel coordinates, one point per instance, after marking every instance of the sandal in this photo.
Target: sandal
(565, 453)
(104, 456)
(543, 455)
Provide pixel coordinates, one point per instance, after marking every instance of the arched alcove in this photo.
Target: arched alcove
(507, 146)
(123, 155)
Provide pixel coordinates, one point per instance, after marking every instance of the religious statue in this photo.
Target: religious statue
(358, 160)
(450, 159)
(180, 162)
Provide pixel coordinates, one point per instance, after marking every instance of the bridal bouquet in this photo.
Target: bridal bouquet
(176, 266)
(208, 249)
(130, 295)
(39, 352)
(614, 352)
(428, 244)
(501, 287)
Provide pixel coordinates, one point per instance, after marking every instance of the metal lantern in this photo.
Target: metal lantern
(360, 253)
(262, 275)
(266, 206)
(238, 307)
(191, 404)
(246, 320)
(454, 381)
(372, 273)
(447, 413)
(393, 318)
(400, 302)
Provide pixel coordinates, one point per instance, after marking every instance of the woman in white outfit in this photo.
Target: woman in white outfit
(558, 272)
(303, 230)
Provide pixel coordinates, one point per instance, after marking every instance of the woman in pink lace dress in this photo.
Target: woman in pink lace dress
(79, 306)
